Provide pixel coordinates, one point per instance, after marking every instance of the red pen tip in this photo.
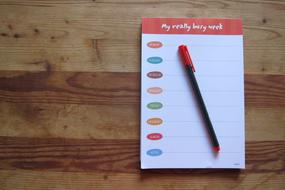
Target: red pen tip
(217, 149)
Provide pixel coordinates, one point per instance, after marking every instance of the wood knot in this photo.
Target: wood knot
(263, 69)
(10, 27)
(18, 35)
(36, 31)
(4, 34)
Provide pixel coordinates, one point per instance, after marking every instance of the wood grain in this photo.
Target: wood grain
(111, 121)
(72, 88)
(121, 89)
(83, 105)
(27, 179)
(113, 155)
(87, 32)
(70, 94)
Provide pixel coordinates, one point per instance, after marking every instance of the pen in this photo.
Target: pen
(190, 70)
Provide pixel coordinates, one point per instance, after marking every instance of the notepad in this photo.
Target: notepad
(173, 132)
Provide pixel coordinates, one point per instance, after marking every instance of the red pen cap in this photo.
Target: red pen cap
(183, 50)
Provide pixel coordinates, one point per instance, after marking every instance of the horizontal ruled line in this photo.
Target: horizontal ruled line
(200, 136)
(200, 152)
(200, 121)
(204, 91)
(205, 60)
(231, 126)
(209, 106)
(201, 75)
(191, 45)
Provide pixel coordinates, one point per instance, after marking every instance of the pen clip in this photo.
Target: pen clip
(186, 56)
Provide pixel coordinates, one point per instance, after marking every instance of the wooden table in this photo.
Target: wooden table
(69, 89)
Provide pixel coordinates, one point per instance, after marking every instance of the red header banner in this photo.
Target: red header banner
(208, 26)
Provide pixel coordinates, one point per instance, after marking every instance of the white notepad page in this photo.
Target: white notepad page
(173, 134)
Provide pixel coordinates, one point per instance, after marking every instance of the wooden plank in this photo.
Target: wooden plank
(73, 88)
(83, 38)
(113, 155)
(121, 88)
(113, 56)
(264, 124)
(70, 121)
(257, 87)
(111, 122)
(29, 180)
(82, 105)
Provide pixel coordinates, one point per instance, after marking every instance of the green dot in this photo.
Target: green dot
(154, 105)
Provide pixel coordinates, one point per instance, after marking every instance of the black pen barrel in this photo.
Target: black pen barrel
(202, 106)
